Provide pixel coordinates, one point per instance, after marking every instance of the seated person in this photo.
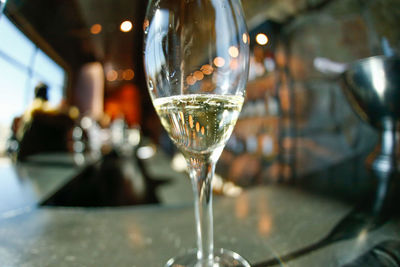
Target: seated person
(42, 129)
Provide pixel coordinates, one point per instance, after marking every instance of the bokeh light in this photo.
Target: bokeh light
(245, 38)
(128, 74)
(219, 62)
(112, 75)
(233, 51)
(198, 75)
(126, 26)
(95, 29)
(261, 39)
(207, 69)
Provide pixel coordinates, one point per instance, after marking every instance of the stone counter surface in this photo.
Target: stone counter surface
(24, 185)
(259, 224)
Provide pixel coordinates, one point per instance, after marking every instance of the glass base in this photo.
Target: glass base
(222, 258)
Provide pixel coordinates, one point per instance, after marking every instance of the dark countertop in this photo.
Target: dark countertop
(24, 185)
(260, 224)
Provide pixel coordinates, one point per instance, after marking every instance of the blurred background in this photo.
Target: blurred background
(86, 56)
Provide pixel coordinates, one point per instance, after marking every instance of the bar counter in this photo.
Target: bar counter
(263, 223)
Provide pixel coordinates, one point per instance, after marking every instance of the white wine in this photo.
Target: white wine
(199, 124)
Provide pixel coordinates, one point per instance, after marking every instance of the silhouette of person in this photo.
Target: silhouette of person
(42, 129)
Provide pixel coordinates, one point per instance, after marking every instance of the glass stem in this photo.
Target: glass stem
(201, 172)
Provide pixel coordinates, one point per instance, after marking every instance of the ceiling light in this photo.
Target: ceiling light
(261, 39)
(112, 75)
(96, 28)
(128, 74)
(126, 26)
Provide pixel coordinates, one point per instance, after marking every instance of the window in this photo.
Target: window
(22, 66)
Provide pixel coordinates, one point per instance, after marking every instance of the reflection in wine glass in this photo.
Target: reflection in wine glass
(2, 5)
(196, 60)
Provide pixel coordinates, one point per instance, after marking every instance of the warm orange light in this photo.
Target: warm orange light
(128, 74)
(181, 116)
(198, 75)
(244, 37)
(234, 64)
(242, 206)
(95, 29)
(191, 121)
(190, 80)
(219, 62)
(207, 69)
(112, 75)
(233, 51)
(261, 39)
(126, 26)
(146, 24)
(265, 224)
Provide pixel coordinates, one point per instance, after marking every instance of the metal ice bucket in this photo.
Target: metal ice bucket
(372, 86)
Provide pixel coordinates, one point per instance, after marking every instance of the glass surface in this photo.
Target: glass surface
(14, 44)
(12, 90)
(45, 67)
(196, 57)
(17, 50)
(2, 5)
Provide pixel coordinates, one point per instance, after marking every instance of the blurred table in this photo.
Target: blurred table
(260, 224)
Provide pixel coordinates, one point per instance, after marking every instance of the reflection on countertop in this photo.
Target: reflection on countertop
(312, 221)
(58, 179)
(262, 223)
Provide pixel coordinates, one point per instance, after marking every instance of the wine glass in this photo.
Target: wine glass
(196, 55)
